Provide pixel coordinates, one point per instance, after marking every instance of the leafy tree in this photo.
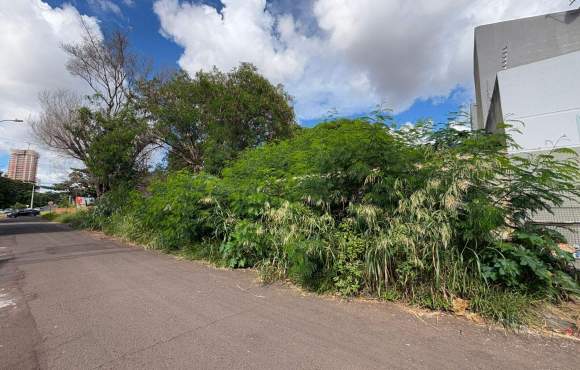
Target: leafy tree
(103, 131)
(41, 199)
(118, 153)
(205, 121)
(329, 166)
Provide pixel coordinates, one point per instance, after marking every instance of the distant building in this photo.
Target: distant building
(23, 165)
(527, 74)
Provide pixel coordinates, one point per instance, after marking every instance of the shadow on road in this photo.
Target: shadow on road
(59, 242)
(29, 225)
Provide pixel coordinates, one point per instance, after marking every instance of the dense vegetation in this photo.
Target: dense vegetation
(428, 216)
(199, 122)
(17, 194)
(358, 207)
(205, 121)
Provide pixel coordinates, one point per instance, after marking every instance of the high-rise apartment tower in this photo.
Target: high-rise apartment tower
(23, 165)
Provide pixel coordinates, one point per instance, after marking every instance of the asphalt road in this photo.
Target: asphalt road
(71, 300)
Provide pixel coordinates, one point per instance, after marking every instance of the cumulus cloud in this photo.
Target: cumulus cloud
(342, 54)
(249, 31)
(210, 37)
(415, 49)
(31, 33)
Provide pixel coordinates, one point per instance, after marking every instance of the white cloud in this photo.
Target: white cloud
(412, 49)
(364, 52)
(31, 33)
(106, 6)
(245, 31)
(241, 32)
(103, 7)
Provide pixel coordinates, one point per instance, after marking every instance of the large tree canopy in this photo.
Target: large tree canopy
(207, 120)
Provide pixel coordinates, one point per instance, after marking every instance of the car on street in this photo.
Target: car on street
(23, 212)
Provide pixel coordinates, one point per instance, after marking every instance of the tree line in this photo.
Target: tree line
(17, 194)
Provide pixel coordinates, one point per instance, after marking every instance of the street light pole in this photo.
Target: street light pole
(32, 197)
(12, 120)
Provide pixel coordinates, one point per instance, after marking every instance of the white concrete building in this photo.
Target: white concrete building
(527, 74)
(542, 101)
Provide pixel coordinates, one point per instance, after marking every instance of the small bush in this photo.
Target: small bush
(349, 263)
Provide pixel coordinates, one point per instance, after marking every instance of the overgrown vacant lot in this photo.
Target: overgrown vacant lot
(424, 216)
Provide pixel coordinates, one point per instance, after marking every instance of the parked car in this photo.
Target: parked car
(23, 212)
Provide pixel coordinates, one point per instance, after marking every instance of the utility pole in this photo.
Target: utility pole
(32, 196)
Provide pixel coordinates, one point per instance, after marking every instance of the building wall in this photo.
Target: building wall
(542, 101)
(510, 44)
(527, 74)
(23, 165)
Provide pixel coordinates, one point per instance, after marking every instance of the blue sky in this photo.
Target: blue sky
(332, 56)
(143, 26)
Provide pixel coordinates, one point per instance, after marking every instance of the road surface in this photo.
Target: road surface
(72, 300)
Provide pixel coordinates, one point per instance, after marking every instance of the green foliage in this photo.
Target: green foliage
(77, 184)
(247, 245)
(16, 194)
(13, 191)
(349, 263)
(531, 262)
(78, 219)
(114, 153)
(42, 199)
(356, 206)
(510, 308)
(18, 205)
(50, 216)
(206, 120)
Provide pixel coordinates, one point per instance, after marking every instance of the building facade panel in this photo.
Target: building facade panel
(542, 100)
(505, 45)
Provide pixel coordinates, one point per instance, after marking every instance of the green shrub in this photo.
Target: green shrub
(349, 263)
(247, 245)
(79, 219)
